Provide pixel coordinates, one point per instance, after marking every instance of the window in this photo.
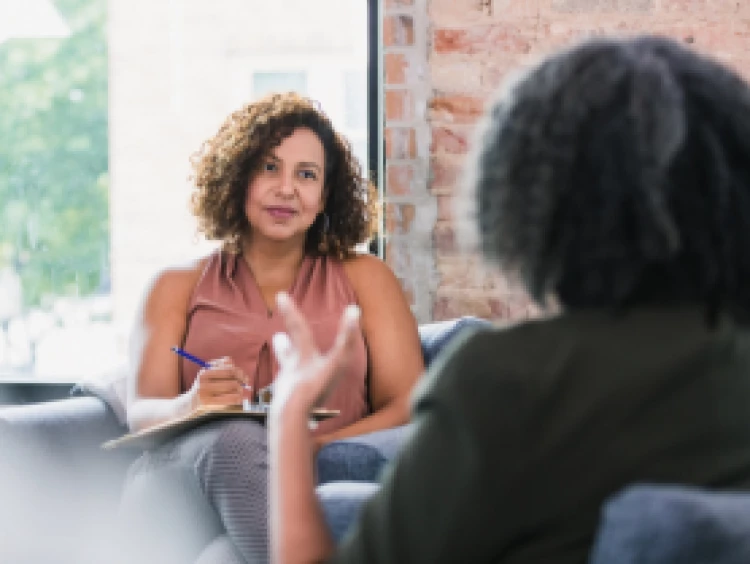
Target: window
(266, 82)
(94, 172)
(355, 82)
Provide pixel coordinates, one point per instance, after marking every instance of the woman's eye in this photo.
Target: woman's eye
(269, 167)
(308, 174)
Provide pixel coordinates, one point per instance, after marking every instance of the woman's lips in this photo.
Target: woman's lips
(279, 212)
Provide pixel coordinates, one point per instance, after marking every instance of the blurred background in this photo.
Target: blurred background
(101, 105)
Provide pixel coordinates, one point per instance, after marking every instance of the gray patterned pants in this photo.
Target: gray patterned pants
(201, 498)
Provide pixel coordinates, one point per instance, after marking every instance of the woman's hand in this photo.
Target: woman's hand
(220, 384)
(306, 376)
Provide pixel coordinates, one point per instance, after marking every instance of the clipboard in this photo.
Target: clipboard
(152, 437)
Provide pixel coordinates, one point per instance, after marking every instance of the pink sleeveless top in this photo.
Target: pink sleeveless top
(227, 316)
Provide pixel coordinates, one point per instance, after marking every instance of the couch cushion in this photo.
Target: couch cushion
(648, 524)
(360, 458)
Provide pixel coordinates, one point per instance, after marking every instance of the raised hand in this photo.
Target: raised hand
(306, 375)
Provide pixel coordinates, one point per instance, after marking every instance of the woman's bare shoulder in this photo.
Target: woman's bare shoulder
(369, 275)
(175, 283)
(364, 265)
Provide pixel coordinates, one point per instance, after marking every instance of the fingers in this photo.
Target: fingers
(222, 399)
(338, 356)
(283, 350)
(296, 327)
(219, 371)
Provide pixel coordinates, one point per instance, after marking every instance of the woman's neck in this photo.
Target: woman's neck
(273, 263)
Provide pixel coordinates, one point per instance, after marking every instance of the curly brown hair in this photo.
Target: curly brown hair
(227, 162)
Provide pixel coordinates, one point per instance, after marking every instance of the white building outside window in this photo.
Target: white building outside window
(102, 109)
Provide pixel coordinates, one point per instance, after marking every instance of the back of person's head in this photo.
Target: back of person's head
(617, 174)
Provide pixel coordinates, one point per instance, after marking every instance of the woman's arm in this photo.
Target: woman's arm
(154, 390)
(393, 348)
(298, 530)
(466, 464)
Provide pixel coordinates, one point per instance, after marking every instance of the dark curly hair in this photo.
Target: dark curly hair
(617, 173)
(227, 162)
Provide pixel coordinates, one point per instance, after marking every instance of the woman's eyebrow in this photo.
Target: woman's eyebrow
(310, 164)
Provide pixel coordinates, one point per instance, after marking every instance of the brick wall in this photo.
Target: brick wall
(443, 61)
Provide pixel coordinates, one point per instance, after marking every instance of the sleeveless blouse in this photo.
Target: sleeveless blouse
(227, 316)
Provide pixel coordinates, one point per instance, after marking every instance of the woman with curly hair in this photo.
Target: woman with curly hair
(282, 191)
(613, 179)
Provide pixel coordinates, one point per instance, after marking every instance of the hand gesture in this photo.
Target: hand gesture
(306, 376)
(220, 384)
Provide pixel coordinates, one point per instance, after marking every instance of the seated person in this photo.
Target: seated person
(283, 192)
(612, 179)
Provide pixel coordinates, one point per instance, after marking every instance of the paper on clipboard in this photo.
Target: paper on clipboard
(154, 436)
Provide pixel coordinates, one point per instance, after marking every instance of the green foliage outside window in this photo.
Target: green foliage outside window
(54, 218)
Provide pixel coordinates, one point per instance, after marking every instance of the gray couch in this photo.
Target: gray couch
(58, 489)
(55, 478)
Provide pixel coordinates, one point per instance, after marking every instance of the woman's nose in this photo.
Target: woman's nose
(286, 185)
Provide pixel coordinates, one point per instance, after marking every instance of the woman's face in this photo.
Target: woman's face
(286, 195)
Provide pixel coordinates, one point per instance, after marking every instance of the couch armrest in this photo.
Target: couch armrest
(361, 458)
(65, 435)
(664, 524)
(342, 502)
(68, 425)
(436, 336)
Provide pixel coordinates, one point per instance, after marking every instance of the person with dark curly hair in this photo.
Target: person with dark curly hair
(613, 180)
(283, 193)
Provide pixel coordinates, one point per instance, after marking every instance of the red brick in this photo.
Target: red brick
(484, 39)
(445, 208)
(449, 140)
(506, 9)
(448, 75)
(456, 108)
(507, 307)
(728, 7)
(714, 37)
(399, 105)
(444, 238)
(458, 272)
(398, 31)
(468, 271)
(399, 179)
(445, 172)
(400, 143)
(456, 304)
(399, 218)
(398, 256)
(395, 69)
(458, 12)
(579, 6)
(496, 71)
(408, 289)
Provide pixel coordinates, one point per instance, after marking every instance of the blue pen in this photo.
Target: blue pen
(200, 362)
(190, 357)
